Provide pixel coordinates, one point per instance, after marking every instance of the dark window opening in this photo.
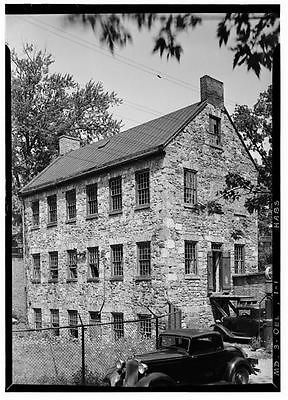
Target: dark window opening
(55, 321)
(37, 318)
(92, 203)
(190, 187)
(190, 257)
(93, 262)
(142, 188)
(115, 185)
(145, 326)
(36, 267)
(95, 319)
(53, 265)
(73, 322)
(72, 264)
(144, 259)
(71, 204)
(239, 259)
(118, 325)
(52, 208)
(215, 130)
(117, 259)
(35, 213)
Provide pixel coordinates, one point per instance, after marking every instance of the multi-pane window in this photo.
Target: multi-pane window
(52, 208)
(92, 203)
(73, 322)
(239, 259)
(145, 328)
(94, 319)
(144, 258)
(190, 257)
(54, 315)
(37, 318)
(115, 186)
(117, 260)
(142, 188)
(118, 325)
(93, 262)
(72, 264)
(53, 265)
(214, 129)
(190, 187)
(36, 268)
(71, 204)
(35, 213)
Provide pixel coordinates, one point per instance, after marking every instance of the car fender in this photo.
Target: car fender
(155, 377)
(235, 363)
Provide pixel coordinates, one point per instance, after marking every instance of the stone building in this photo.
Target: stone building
(115, 226)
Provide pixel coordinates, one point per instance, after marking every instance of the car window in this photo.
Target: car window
(205, 345)
(169, 341)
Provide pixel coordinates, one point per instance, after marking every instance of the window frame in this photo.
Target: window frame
(36, 277)
(215, 138)
(53, 267)
(72, 266)
(73, 331)
(194, 258)
(239, 261)
(37, 214)
(138, 174)
(55, 312)
(52, 200)
(92, 201)
(71, 204)
(37, 320)
(145, 326)
(141, 247)
(95, 331)
(117, 265)
(91, 278)
(118, 326)
(118, 197)
(191, 190)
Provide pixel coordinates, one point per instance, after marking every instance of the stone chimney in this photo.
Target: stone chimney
(212, 91)
(68, 143)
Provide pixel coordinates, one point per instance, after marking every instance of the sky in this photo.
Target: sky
(132, 72)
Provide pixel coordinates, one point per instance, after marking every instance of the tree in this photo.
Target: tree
(252, 38)
(44, 106)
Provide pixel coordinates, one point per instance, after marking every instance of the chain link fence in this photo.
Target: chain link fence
(82, 354)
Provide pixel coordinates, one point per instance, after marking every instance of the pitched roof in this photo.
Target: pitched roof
(142, 140)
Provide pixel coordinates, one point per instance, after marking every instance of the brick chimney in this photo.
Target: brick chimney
(68, 143)
(212, 91)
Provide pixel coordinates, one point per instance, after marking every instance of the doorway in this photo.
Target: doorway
(217, 253)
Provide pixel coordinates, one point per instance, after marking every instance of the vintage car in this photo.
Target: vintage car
(184, 357)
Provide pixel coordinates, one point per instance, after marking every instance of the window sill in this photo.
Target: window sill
(115, 212)
(142, 207)
(92, 216)
(93, 279)
(190, 206)
(71, 221)
(116, 279)
(35, 280)
(35, 228)
(192, 278)
(69, 280)
(51, 224)
(52, 280)
(143, 278)
(215, 146)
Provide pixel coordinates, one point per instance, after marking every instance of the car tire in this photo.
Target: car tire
(240, 376)
(160, 383)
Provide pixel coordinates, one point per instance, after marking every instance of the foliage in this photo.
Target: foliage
(254, 37)
(46, 105)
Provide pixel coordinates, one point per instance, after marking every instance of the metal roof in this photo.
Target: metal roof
(138, 141)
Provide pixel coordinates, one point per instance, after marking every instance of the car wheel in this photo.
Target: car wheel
(160, 383)
(240, 376)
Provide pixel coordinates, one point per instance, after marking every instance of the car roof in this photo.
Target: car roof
(192, 333)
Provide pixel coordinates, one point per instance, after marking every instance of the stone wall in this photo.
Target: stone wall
(18, 288)
(166, 224)
(250, 285)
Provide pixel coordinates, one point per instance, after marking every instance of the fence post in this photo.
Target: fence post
(83, 351)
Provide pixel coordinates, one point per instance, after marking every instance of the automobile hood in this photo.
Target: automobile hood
(160, 355)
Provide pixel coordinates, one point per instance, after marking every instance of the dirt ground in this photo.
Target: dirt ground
(264, 364)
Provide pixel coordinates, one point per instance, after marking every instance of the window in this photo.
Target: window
(115, 185)
(36, 268)
(52, 209)
(93, 263)
(53, 265)
(190, 187)
(117, 260)
(239, 259)
(145, 325)
(35, 213)
(73, 322)
(144, 259)
(37, 318)
(72, 264)
(54, 315)
(71, 204)
(214, 129)
(94, 319)
(92, 202)
(142, 188)
(118, 325)
(190, 258)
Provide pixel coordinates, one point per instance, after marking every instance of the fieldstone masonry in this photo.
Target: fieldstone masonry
(167, 223)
